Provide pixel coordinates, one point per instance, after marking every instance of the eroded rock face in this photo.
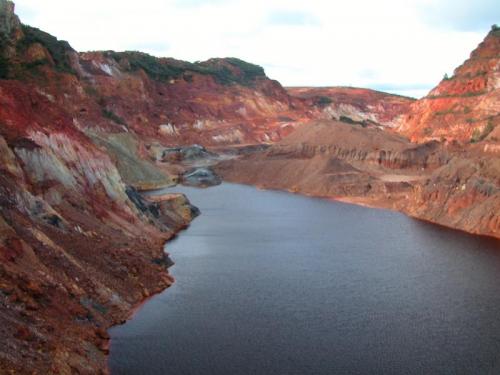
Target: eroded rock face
(186, 154)
(79, 135)
(135, 169)
(464, 107)
(214, 103)
(217, 102)
(334, 159)
(173, 209)
(446, 184)
(449, 176)
(76, 251)
(464, 194)
(368, 107)
(66, 237)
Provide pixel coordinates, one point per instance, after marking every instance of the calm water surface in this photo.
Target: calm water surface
(274, 283)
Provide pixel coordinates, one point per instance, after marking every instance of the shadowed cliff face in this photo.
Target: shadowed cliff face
(464, 107)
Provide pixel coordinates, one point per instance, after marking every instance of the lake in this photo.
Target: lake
(274, 283)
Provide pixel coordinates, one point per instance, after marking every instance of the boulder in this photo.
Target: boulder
(200, 177)
(186, 154)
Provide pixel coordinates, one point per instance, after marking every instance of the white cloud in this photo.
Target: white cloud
(388, 44)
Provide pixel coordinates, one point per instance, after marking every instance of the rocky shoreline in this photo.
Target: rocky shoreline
(82, 134)
(69, 291)
(435, 182)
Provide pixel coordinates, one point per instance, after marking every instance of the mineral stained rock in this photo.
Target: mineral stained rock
(82, 133)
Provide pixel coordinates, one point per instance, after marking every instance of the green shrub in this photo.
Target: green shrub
(4, 68)
(445, 112)
(471, 94)
(113, 117)
(250, 71)
(466, 95)
(349, 120)
(487, 130)
(34, 64)
(322, 101)
(161, 69)
(155, 68)
(4, 63)
(58, 49)
(245, 73)
(478, 136)
(91, 91)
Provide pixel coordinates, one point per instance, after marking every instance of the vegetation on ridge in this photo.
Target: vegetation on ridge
(4, 68)
(113, 117)
(478, 135)
(4, 62)
(224, 71)
(58, 49)
(322, 101)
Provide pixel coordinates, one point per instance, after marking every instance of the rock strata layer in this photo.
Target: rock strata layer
(450, 184)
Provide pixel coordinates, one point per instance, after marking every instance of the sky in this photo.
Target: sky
(398, 46)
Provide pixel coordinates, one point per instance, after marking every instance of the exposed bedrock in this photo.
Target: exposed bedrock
(364, 106)
(200, 177)
(185, 154)
(463, 194)
(77, 253)
(82, 134)
(464, 106)
(443, 184)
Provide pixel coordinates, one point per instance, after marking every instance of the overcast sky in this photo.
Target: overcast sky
(400, 46)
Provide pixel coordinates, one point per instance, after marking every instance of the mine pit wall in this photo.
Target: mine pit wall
(464, 194)
(470, 207)
(428, 155)
(77, 253)
(80, 246)
(431, 182)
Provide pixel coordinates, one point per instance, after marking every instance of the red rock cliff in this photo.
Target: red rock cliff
(449, 175)
(465, 106)
(78, 247)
